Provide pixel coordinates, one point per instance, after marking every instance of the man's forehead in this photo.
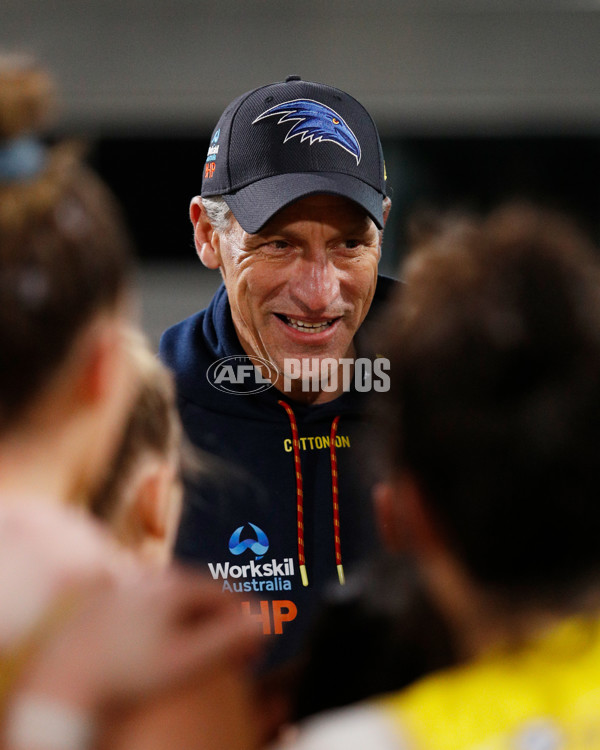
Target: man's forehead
(323, 208)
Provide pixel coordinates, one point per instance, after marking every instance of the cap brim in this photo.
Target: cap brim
(255, 204)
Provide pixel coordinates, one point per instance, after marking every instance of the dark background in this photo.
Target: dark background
(155, 178)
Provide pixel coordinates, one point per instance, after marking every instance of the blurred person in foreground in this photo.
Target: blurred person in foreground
(84, 627)
(140, 500)
(394, 638)
(493, 436)
(140, 497)
(272, 376)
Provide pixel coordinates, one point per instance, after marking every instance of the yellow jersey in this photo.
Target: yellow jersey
(543, 696)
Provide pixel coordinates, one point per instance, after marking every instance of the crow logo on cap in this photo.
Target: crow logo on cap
(314, 122)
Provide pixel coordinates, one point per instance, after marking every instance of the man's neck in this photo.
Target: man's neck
(303, 392)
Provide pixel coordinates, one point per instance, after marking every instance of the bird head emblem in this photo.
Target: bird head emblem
(313, 121)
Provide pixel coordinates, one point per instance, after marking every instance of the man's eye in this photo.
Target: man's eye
(352, 244)
(277, 244)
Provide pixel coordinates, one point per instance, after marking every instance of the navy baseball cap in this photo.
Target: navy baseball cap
(288, 140)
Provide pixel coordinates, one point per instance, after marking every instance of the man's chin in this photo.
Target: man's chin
(289, 364)
(297, 370)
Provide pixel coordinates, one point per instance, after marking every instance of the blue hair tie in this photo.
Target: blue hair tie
(21, 159)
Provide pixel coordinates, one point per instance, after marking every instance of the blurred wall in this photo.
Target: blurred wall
(419, 65)
(476, 100)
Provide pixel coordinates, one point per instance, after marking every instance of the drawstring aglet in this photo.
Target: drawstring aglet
(304, 575)
(340, 570)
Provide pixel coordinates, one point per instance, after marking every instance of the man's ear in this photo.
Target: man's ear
(387, 205)
(206, 239)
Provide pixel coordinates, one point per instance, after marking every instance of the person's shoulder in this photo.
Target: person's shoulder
(200, 335)
(357, 727)
(181, 329)
(177, 345)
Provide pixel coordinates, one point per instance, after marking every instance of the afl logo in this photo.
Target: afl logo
(242, 374)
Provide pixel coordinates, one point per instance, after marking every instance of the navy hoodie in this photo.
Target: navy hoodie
(240, 522)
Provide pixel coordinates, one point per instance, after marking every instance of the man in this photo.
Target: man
(493, 432)
(273, 374)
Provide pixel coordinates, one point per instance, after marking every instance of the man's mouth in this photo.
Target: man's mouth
(307, 326)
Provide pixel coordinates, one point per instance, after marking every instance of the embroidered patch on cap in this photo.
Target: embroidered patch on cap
(314, 122)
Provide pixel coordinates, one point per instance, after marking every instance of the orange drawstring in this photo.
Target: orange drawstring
(300, 495)
(336, 503)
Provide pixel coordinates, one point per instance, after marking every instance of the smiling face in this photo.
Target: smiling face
(302, 286)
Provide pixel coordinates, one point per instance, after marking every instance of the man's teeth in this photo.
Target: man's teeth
(303, 325)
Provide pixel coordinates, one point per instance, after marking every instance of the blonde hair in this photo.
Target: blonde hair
(153, 424)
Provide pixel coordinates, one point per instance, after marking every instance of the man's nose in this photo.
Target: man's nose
(315, 284)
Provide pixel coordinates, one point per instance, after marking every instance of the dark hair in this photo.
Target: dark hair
(494, 407)
(380, 632)
(64, 252)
